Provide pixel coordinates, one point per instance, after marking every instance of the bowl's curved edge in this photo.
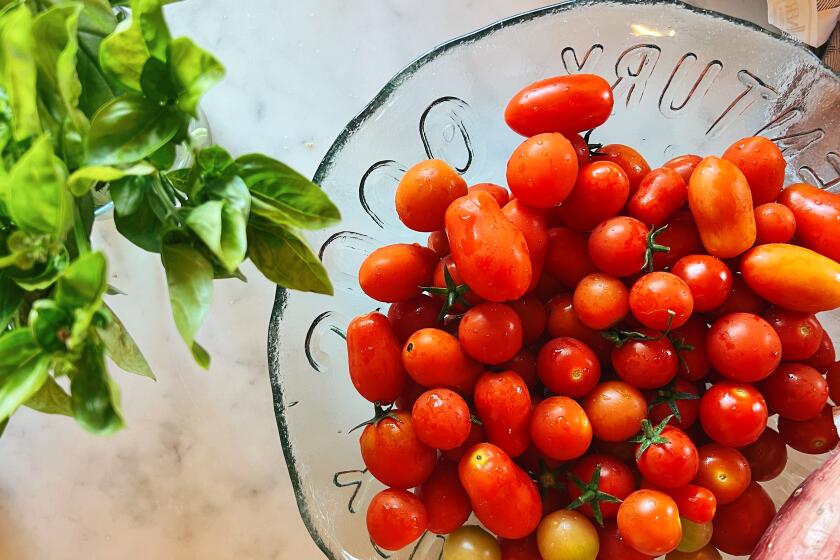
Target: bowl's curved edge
(381, 98)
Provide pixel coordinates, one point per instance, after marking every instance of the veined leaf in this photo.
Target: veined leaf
(94, 397)
(19, 71)
(50, 399)
(23, 369)
(120, 347)
(195, 71)
(221, 223)
(83, 179)
(190, 279)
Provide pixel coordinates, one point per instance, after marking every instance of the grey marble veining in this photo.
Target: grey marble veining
(198, 473)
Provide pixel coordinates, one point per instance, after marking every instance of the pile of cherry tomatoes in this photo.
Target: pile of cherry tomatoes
(588, 361)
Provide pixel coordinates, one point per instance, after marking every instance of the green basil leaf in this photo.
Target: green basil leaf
(56, 36)
(130, 128)
(94, 397)
(50, 399)
(38, 199)
(284, 196)
(51, 325)
(195, 71)
(285, 259)
(123, 54)
(42, 275)
(134, 214)
(152, 26)
(11, 296)
(23, 369)
(20, 72)
(121, 348)
(156, 81)
(214, 163)
(83, 283)
(164, 158)
(81, 181)
(190, 279)
(221, 223)
(72, 142)
(182, 179)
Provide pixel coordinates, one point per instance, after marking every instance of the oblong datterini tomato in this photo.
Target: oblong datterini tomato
(792, 277)
(565, 104)
(396, 272)
(627, 158)
(817, 214)
(722, 206)
(394, 454)
(532, 223)
(661, 193)
(503, 496)
(375, 358)
(489, 250)
(684, 165)
(503, 404)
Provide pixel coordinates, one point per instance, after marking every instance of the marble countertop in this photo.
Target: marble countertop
(199, 472)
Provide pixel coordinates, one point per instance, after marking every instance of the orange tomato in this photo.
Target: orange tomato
(792, 277)
(720, 200)
(395, 272)
(763, 165)
(424, 193)
(817, 214)
(434, 358)
(489, 250)
(542, 170)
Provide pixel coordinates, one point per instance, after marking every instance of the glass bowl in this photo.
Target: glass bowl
(685, 81)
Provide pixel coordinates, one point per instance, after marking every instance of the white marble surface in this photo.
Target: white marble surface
(199, 472)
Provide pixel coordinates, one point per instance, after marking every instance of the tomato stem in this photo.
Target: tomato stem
(379, 413)
(453, 294)
(594, 148)
(654, 247)
(651, 435)
(670, 395)
(591, 494)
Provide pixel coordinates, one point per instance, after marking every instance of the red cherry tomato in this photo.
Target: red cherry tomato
(434, 358)
(720, 201)
(447, 503)
(740, 524)
(646, 364)
(414, 314)
(542, 170)
(438, 242)
(815, 436)
(724, 471)
(697, 504)
(563, 320)
(491, 333)
(615, 478)
(616, 410)
(565, 104)
(503, 496)
(817, 214)
(394, 454)
(649, 522)
(396, 272)
(568, 259)
(581, 148)
(743, 347)
(823, 357)
(520, 549)
(680, 398)
(425, 192)
(476, 436)
(395, 519)
(618, 246)
(532, 315)
(568, 367)
(667, 457)
(774, 223)
(767, 456)
(374, 358)
(709, 279)
(661, 300)
(626, 158)
(762, 164)
(832, 376)
(741, 300)
(681, 237)
(601, 301)
(684, 165)
(800, 333)
(795, 391)
(560, 428)
(690, 344)
(600, 192)
(441, 419)
(503, 404)
(532, 223)
(733, 414)
(614, 547)
(490, 252)
(498, 192)
(525, 365)
(661, 193)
